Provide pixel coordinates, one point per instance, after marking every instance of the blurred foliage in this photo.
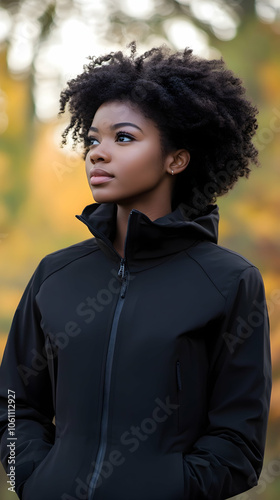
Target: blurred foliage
(118, 24)
(121, 21)
(43, 186)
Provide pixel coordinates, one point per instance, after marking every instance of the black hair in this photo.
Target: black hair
(197, 104)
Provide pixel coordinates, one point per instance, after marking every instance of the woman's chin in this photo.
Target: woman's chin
(99, 198)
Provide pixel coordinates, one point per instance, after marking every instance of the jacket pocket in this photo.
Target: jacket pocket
(37, 467)
(179, 377)
(51, 352)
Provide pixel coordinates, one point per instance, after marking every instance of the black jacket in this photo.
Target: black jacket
(156, 367)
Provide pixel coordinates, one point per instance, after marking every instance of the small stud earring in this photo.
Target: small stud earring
(172, 172)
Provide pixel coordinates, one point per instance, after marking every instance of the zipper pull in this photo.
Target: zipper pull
(121, 272)
(123, 275)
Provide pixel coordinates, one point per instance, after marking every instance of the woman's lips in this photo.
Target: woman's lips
(98, 176)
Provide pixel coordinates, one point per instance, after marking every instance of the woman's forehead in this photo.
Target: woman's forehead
(125, 112)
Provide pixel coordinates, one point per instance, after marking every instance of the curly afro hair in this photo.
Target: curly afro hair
(197, 104)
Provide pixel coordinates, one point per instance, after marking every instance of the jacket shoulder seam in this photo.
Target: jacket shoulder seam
(225, 297)
(92, 250)
(241, 257)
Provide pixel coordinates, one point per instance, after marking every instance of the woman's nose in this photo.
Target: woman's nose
(99, 155)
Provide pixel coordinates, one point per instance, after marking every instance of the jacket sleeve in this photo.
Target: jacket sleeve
(24, 376)
(228, 458)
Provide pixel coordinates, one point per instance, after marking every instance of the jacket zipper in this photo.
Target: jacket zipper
(123, 274)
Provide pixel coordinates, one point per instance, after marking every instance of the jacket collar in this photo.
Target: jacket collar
(146, 240)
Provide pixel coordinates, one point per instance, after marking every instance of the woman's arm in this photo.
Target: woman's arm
(24, 378)
(227, 460)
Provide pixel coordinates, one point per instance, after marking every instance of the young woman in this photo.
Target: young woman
(148, 343)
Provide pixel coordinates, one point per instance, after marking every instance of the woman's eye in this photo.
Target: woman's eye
(124, 137)
(92, 141)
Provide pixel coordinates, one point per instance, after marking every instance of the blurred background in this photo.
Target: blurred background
(44, 44)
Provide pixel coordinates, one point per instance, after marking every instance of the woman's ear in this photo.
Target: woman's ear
(178, 161)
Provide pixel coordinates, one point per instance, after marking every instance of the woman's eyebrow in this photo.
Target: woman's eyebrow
(123, 124)
(118, 125)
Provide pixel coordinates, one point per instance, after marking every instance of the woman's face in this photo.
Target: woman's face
(125, 163)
